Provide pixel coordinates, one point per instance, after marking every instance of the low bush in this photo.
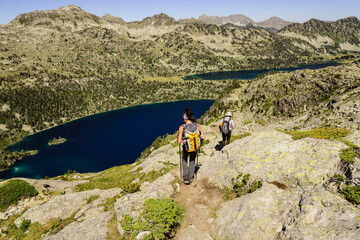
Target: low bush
(352, 194)
(347, 155)
(242, 185)
(132, 187)
(160, 216)
(13, 191)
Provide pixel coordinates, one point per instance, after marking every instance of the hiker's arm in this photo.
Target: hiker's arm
(179, 138)
(233, 124)
(201, 131)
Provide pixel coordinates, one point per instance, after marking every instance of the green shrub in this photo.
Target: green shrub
(339, 178)
(160, 216)
(13, 191)
(25, 224)
(242, 185)
(132, 187)
(347, 155)
(352, 194)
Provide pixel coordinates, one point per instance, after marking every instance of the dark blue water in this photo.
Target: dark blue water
(100, 141)
(251, 74)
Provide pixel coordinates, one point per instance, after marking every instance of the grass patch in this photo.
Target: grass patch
(122, 177)
(13, 191)
(237, 137)
(92, 198)
(160, 216)
(114, 177)
(320, 133)
(112, 227)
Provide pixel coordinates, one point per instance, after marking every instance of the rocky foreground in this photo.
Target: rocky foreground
(291, 204)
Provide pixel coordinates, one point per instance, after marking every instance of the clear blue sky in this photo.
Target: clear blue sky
(132, 10)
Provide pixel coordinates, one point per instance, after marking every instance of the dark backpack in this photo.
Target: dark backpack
(225, 128)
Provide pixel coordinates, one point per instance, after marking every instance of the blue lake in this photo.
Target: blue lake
(100, 141)
(251, 74)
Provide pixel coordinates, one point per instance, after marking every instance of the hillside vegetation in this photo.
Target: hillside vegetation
(59, 65)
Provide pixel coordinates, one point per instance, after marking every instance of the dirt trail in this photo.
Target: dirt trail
(201, 203)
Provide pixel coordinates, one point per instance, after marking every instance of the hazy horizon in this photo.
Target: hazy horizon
(137, 10)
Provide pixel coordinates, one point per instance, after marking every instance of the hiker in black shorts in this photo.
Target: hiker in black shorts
(226, 126)
(190, 136)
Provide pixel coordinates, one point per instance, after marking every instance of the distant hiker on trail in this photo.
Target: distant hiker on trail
(226, 126)
(190, 136)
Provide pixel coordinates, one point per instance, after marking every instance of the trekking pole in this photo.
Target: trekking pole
(180, 162)
(197, 163)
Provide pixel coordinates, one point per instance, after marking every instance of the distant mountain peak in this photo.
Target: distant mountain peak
(237, 19)
(160, 19)
(112, 19)
(72, 8)
(70, 15)
(275, 23)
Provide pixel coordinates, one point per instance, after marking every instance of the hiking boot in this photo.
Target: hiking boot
(187, 182)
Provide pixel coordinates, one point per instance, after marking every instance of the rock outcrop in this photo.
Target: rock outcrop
(299, 213)
(274, 156)
(64, 206)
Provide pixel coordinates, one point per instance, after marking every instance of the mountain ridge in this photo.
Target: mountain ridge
(242, 20)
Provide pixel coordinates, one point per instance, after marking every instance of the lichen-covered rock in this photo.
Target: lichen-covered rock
(274, 156)
(255, 214)
(131, 204)
(272, 213)
(321, 215)
(92, 225)
(64, 206)
(192, 233)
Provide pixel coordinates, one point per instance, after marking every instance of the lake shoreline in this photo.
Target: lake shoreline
(98, 140)
(260, 71)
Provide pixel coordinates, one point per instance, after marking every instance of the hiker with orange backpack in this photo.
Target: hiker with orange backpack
(190, 136)
(226, 126)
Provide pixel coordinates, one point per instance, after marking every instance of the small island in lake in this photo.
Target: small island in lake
(56, 141)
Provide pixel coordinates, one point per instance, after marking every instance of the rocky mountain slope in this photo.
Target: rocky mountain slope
(69, 63)
(242, 20)
(343, 34)
(300, 99)
(268, 183)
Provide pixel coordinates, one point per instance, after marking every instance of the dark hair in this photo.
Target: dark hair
(189, 114)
